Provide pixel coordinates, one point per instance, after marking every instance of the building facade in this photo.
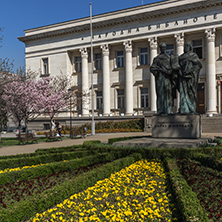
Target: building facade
(124, 45)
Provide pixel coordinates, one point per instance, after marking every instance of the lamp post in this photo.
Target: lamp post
(93, 121)
(70, 90)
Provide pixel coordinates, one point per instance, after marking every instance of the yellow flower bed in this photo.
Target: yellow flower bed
(136, 193)
(19, 168)
(22, 168)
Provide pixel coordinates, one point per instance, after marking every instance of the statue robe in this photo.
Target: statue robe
(190, 66)
(161, 69)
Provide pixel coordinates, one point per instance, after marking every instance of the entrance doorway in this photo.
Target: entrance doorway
(200, 107)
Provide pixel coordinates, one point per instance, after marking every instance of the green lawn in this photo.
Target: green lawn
(14, 141)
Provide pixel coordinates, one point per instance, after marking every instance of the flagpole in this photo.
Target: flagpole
(92, 101)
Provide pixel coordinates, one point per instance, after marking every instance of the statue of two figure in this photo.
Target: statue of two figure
(174, 73)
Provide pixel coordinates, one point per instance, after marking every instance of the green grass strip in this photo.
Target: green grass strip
(188, 202)
(49, 198)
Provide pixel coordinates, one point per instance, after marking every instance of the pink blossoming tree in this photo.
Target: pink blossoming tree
(24, 98)
(27, 98)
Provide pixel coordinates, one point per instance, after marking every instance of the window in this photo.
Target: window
(120, 59)
(78, 64)
(144, 97)
(143, 56)
(120, 93)
(45, 66)
(98, 61)
(99, 100)
(197, 48)
(170, 49)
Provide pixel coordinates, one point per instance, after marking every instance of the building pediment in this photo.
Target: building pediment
(135, 14)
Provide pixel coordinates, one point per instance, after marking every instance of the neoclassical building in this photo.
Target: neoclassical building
(124, 45)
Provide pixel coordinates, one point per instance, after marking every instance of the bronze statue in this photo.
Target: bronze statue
(190, 67)
(165, 86)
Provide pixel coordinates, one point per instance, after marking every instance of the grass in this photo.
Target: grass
(14, 141)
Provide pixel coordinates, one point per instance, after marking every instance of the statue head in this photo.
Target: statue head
(187, 47)
(162, 47)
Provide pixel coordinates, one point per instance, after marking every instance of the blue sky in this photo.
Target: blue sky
(19, 15)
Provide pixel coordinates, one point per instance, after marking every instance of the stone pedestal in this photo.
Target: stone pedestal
(176, 126)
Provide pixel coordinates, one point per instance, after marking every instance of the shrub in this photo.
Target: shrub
(188, 202)
(49, 198)
(135, 125)
(46, 158)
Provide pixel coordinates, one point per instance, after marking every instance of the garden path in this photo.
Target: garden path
(103, 137)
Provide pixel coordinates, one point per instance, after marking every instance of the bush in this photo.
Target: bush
(46, 158)
(188, 202)
(135, 125)
(49, 198)
(209, 161)
(113, 140)
(70, 165)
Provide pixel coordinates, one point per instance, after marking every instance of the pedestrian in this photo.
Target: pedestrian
(53, 126)
(59, 129)
(84, 131)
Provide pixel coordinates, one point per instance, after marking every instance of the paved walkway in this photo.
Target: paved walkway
(30, 148)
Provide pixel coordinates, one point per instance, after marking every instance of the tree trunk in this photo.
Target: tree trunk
(26, 129)
(19, 129)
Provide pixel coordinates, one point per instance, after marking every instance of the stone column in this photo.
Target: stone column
(106, 80)
(219, 96)
(211, 72)
(129, 78)
(153, 54)
(179, 51)
(85, 82)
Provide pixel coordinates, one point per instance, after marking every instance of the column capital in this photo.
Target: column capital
(210, 34)
(179, 39)
(84, 53)
(128, 45)
(105, 49)
(153, 43)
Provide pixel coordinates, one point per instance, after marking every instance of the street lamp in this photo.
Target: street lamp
(70, 90)
(93, 121)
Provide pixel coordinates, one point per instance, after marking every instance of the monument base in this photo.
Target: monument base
(176, 126)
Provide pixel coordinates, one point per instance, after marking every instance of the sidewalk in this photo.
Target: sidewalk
(30, 148)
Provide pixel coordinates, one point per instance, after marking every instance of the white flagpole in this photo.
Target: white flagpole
(92, 101)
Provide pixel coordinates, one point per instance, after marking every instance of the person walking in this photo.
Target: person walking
(53, 126)
(59, 129)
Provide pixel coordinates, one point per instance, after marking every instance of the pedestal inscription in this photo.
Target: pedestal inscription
(176, 126)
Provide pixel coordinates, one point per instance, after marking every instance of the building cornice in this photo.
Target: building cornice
(125, 16)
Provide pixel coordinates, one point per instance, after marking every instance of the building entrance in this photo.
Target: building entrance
(200, 107)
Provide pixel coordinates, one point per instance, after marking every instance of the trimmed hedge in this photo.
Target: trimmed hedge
(46, 158)
(149, 152)
(113, 140)
(44, 151)
(188, 202)
(91, 142)
(60, 149)
(24, 210)
(209, 161)
(70, 165)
